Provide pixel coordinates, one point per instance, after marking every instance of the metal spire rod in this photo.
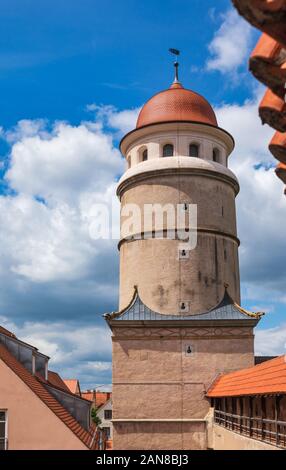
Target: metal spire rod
(176, 53)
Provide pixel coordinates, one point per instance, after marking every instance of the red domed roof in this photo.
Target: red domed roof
(176, 104)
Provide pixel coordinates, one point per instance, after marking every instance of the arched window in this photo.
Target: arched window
(145, 155)
(216, 155)
(194, 150)
(129, 161)
(168, 150)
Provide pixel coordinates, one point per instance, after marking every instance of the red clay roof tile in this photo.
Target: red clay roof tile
(176, 104)
(281, 172)
(267, 15)
(38, 388)
(73, 386)
(266, 378)
(99, 397)
(267, 64)
(277, 146)
(55, 379)
(272, 110)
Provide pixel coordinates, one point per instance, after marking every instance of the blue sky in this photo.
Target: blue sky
(56, 59)
(56, 56)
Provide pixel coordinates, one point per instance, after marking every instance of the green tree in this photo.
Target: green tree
(94, 417)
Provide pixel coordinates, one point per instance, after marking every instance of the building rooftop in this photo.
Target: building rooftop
(51, 389)
(262, 379)
(47, 398)
(100, 398)
(226, 310)
(73, 386)
(176, 104)
(268, 64)
(55, 379)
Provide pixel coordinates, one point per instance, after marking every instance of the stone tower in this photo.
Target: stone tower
(179, 322)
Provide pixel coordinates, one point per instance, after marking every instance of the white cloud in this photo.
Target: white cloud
(261, 204)
(123, 121)
(76, 351)
(62, 164)
(271, 341)
(230, 45)
(59, 174)
(26, 128)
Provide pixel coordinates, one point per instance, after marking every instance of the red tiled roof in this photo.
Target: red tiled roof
(88, 395)
(277, 146)
(268, 64)
(38, 388)
(55, 379)
(272, 111)
(267, 15)
(281, 172)
(72, 384)
(266, 378)
(176, 104)
(101, 398)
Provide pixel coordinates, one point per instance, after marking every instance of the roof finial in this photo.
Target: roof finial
(176, 53)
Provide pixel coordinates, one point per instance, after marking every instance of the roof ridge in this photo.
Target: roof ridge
(268, 377)
(43, 394)
(224, 302)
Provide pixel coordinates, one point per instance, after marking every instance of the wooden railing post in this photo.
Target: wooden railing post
(250, 416)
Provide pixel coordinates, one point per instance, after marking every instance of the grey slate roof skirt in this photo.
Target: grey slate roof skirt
(225, 310)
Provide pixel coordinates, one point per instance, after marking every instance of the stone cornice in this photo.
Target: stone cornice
(150, 236)
(144, 175)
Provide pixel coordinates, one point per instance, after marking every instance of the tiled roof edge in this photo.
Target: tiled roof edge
(83, 435)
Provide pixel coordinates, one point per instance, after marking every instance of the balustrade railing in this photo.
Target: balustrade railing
(262, 429)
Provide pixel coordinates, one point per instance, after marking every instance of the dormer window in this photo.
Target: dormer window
(194, 150)
(216, 155)
(168, 150)
(145, 155)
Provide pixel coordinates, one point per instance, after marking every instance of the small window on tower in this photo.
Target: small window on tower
(216, 155)
(145, 155)
(183, 253)
(168, 150)
(194, 150)
(129, 161)
(184, 307)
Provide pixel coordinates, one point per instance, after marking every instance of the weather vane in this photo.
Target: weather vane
(176, 53)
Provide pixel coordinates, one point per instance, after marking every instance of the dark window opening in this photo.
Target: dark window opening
(216, 156)
(168, 150)
(145, 155)
(107, 414)
(194, 150)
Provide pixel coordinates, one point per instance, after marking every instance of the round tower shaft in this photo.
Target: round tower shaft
(177, 157)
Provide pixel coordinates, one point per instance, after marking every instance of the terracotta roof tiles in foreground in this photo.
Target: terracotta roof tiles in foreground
(38, 388)
(266, 378)
(268, 64)
(281, 172)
